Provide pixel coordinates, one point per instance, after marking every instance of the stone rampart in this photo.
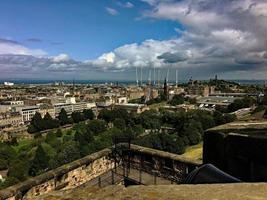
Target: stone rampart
(67, 176)
(76, 173)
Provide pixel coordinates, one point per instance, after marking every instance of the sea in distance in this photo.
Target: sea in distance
(125, 82)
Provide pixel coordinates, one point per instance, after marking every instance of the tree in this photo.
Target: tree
(204, 117)
(31, 129)
(164, 142)
(77, 117)
(119, 123)
(19, 169)
(88, 114)
(150, 119)
(36, 123)
(63, 117)
(97, 126)
(53, 140)
(8, 182)
(69, 152)
(49, 122)
(229, 117)
(241, 103)
(59, 133)
(3, 164)
(7, 153)
(176, 100)
(105, 115)
(193, 131)
(40, 161)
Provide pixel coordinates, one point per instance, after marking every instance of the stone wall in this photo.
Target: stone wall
(65, 177)
(74, 174)
(163, 164)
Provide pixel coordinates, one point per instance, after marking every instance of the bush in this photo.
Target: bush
(176, 100)
(119, 123)
(88, 114)
(97, 126)
(59, 133)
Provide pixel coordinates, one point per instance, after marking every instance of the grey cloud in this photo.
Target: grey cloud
(249, 61)
(218, 36)
(6, 41)
(172, 57)
(37, 40)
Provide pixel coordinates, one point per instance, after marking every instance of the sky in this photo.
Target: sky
(114, 39)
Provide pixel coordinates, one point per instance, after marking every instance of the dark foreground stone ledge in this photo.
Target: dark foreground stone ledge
(240, 191)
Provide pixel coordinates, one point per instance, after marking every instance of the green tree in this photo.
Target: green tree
(105, 115)
(7, 153)
(193, 131)
(3, 164)
(36, 124)
(88, 114)
(19, 169)
(77, 117)
(176, 100)
(49, 122)
(204, 117)
(63, 117)
(241, 103)
(119, 123)
(59, 133)
(150, 119)
(69, 152)
(8, 182)
(52, 139)
(97, 126)
(40, 161)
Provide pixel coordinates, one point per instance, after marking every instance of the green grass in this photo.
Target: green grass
(194, 152)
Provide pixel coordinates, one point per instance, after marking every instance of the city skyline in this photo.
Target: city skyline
(110, 39)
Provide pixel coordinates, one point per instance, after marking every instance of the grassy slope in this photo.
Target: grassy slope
(194, 152)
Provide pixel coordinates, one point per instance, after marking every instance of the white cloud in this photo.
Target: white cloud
(126, 4)
(225, 37)
(13, 47)
(61, 58)
(111, 11)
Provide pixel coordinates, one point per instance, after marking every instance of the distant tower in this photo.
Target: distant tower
(176, 77)
(73, 87)
(165, 90)
(216, 77)
(168, 72)
(149, 77)
(141, 78)
(136, 76)
(158, 77)
(154, 76)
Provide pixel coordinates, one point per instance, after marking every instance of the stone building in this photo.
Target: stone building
(9, 119)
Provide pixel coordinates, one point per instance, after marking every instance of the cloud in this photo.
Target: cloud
(126, 4)
(227, 37)
(13, 47)
(112, 11)
(37, 40)
(61, 58)
(172, 57)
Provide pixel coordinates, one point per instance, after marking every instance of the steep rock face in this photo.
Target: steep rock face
(242, 191)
